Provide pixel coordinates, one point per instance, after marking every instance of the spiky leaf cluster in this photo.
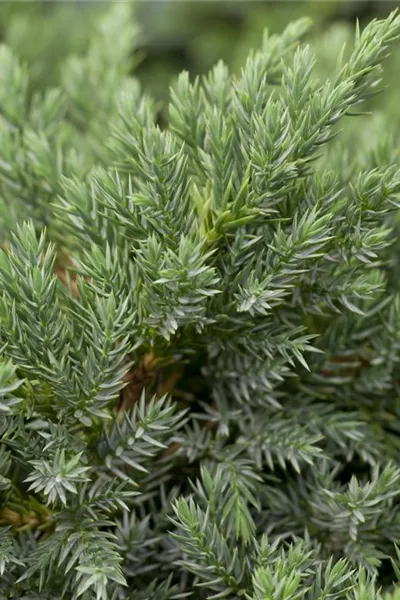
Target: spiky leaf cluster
(199, 357)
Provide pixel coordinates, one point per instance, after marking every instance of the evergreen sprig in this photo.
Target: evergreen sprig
(199, 354)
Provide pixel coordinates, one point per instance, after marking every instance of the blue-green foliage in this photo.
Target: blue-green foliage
(199, 355)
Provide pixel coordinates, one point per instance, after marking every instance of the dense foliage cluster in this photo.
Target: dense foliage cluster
(200, 328)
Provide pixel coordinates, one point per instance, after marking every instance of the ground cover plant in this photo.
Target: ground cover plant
(199, 326)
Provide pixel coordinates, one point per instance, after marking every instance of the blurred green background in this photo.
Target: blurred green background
(187, 35)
